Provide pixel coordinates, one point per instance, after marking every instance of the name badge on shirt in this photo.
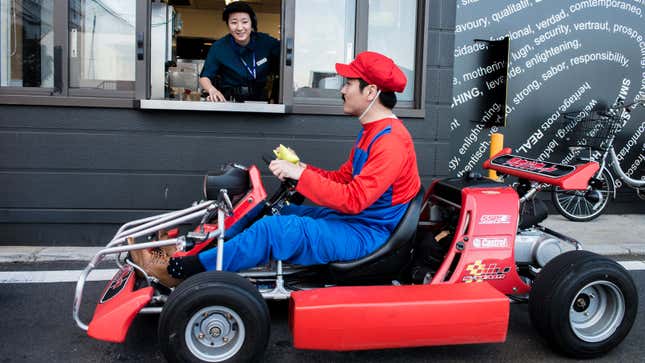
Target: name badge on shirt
(261, 61)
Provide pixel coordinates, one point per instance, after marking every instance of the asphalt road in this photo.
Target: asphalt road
(36, 326)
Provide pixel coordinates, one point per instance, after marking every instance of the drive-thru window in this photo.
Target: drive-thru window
(149, 54)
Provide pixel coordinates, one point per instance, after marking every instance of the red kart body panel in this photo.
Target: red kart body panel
(376, 317)
(118, 307)
(569, 177)
(483, 246)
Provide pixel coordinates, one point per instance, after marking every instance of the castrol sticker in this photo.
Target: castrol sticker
(495, 219)
(490, 242)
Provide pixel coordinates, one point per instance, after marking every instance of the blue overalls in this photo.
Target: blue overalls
(309, 235)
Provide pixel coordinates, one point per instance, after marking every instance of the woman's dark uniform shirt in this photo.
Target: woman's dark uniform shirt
(226, 61)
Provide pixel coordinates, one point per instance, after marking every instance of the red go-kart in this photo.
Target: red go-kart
(463, 251)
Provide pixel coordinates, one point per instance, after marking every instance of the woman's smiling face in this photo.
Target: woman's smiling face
(240, 27)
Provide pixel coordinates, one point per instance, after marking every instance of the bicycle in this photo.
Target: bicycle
(595, 132)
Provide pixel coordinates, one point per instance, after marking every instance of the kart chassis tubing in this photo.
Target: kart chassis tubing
(146, 226)
(138, 228)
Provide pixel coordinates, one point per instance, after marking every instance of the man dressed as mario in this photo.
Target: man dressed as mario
(359, 205)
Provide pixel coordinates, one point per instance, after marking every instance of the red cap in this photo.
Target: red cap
(374, 68)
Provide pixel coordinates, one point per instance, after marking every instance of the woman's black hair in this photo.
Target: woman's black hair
(240, 7)
(388, 99)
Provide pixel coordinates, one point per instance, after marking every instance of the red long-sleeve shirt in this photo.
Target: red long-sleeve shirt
(391, 163)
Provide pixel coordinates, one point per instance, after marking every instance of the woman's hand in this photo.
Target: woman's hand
(215, 96)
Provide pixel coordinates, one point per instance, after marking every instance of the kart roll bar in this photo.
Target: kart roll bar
(151, 224)
(138, 228)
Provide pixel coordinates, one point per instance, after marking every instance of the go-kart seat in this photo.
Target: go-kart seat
(387, 261)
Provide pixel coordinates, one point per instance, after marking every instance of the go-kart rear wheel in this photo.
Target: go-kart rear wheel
(214, 317)
(583, 304)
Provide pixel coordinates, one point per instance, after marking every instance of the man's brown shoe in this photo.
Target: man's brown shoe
(168, 250)
(154, 262)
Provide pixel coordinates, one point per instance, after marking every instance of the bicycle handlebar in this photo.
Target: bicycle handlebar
(606, 111)
(629, 107)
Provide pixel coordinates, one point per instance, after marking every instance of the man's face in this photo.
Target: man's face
(355, 101)
(240, 27)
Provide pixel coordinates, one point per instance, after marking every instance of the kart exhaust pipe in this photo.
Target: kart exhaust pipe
(376, 317)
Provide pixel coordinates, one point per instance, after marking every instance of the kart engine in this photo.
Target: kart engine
(536, 247)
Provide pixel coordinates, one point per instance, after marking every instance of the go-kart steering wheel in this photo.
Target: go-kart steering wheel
(286, 193)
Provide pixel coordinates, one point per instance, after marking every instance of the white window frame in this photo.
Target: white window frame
(62, 95)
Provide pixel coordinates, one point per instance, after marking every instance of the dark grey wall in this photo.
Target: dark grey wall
(565, 55)
(70, 176)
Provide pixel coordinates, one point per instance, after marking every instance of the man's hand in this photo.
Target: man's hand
(283, 169)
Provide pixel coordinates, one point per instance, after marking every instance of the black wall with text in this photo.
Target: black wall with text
(564, 56)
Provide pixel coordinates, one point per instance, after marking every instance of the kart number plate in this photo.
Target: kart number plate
(544, 168)
(117, 283)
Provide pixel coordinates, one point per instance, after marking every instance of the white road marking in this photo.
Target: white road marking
(26, 277)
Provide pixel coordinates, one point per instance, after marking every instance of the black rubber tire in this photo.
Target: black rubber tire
(554, 290)
(209, 289)
(587, 214)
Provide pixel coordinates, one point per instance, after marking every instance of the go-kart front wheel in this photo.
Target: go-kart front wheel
(214, 317)
(583, 304)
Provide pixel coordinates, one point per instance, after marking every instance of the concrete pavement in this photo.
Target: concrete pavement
(609, 234)
(613, 234)
(46, 254)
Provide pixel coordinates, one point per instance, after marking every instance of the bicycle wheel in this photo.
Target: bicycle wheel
(576, 205)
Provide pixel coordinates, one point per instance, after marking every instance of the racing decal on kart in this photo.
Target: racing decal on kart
(544, 168)
(490, 242)
(117, 283)
(495, 219)
(479, 272)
